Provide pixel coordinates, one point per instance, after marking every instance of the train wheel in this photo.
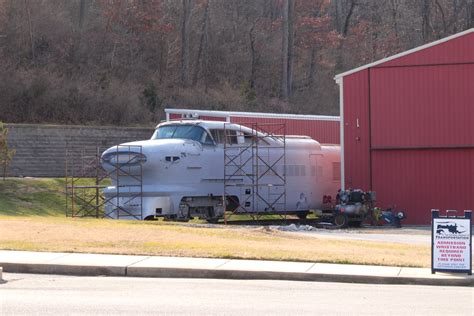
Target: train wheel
(210, 216)
(340, 220)
(302, 215)
(355, 223)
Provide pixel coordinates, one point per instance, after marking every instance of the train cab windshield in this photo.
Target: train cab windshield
(192, 132)
(199, 134)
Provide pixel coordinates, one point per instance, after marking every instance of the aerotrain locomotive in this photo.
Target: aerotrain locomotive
(196, 168)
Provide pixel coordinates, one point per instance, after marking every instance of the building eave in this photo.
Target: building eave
(405, 53)
(227, 114)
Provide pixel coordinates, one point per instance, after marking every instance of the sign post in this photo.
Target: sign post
(451, 242)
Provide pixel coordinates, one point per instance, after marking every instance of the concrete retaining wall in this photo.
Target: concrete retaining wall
(41, 149)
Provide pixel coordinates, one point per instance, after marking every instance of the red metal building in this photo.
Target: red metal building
(324, 129)
(407, 128)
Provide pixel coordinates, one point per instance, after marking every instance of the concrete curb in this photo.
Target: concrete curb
(173, 267)
(64, 269)
(291, 276)
(227, 274)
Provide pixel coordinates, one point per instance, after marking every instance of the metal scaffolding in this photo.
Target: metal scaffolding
(86, 180)
(125, 199)
(254, 170)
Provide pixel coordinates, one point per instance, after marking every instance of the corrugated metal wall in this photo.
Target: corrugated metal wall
(414, 142)
(456, 51)
(420, 180)
(325, 132)
(422, 106)
(356, 131)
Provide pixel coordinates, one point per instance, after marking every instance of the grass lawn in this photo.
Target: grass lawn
(32, 197)
(32, 217)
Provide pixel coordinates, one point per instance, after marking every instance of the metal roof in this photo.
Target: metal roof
(205, 123)
(253, 114)
(411, 51)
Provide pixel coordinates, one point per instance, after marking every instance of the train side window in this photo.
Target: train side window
(303, 170)
(249, 138)
(207, 139)
(336, 171)
(319, 172)
(218, 135)
(231, 136)
(164, 132)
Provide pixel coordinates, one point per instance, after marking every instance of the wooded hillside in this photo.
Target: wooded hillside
(120, 62)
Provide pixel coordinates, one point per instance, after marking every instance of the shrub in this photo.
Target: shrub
(6, 154)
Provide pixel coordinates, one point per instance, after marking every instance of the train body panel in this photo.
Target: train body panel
(183, 167)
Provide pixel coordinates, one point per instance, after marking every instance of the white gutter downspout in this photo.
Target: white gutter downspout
(340, 82)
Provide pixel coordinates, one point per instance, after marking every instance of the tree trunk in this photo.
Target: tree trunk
(443, 19)
(470, 14)
(425, 21)
(375, 19)
(394, 10)
(253, 56)
(76, 47)
(284, 52)
(455, 16)
(185, 42)
(202, 43)
(345, 27)
(206, 49)
(343, 31)
(337, 15)
(30, 29)
(312, 66)
(271, 10)
(291, 40)
(287, 51)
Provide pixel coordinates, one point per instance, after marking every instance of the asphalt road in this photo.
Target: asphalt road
(63, 295)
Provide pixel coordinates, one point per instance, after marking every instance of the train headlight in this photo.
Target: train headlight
(124, 158)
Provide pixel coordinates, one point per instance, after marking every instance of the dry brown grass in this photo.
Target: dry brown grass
(171, 239)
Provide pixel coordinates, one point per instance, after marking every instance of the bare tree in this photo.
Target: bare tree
(253, 55)
(185, 28)
(77, 43)
(394, 9)
(291, 43)
(312, 65)
(30, 28)
(222, 54)
(470, 14)
(202, 60)
(344, 14)
(287, 49)
(426, 28)
(6, 154)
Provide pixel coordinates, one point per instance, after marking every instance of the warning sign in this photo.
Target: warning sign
(451, 243)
